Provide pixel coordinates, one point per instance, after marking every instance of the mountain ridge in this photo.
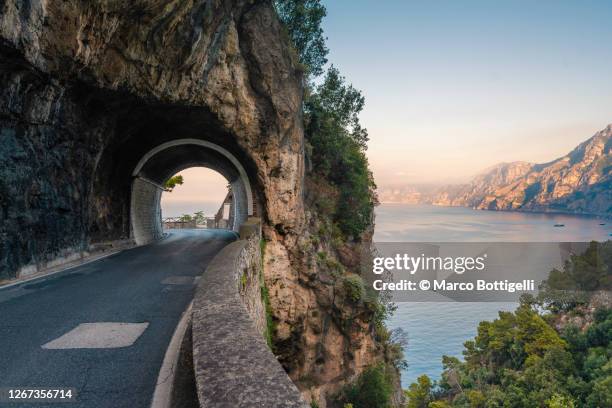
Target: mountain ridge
(579, 182)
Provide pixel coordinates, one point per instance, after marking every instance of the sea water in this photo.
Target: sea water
(435, 329)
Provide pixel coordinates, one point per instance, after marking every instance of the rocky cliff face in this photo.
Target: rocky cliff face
(485, 184)
(579, 182)
(87, 88)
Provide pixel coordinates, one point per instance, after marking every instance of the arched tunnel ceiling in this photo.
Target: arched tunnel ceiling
(161, 162)
(142, 128)
(166, 159)
(168, 162)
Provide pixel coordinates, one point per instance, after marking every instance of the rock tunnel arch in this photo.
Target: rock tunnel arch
(165, 160)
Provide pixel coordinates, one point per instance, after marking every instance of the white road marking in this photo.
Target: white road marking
(162, 397)
(99, 335)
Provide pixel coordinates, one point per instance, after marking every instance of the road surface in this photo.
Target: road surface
(103, 328)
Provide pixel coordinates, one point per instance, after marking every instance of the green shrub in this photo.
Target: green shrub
(334, 267)
(353, 286)
(270, 325)
(372, 389)
(265, 298)
(173, 181)
(243, 280)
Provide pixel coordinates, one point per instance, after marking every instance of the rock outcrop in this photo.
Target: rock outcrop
(582, 316)
(87, 88)
(579, 182)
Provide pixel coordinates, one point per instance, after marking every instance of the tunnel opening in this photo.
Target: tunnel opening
(168, 159)
(196, 198)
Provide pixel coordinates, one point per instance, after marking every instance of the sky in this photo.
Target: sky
(454, 87)
(202, 190)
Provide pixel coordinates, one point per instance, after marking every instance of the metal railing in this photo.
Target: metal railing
(202, 222)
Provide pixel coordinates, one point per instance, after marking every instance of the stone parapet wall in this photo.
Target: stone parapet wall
(233, 365)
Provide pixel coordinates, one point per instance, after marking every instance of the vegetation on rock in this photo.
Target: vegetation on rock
(337, 152)
(372, 389)
(565, 290)
(526, 358)
(265, 298)
(302, 19)
(340, 196)
(336, 140)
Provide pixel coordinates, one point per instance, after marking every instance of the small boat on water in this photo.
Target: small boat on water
(559, 225)
(602, 223)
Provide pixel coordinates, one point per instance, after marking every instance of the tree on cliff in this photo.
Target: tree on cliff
(336, 139)
(302, 18)
(338, 143)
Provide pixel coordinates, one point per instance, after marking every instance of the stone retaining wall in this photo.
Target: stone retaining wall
(233, 365)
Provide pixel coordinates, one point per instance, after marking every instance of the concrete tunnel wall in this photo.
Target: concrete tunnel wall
(167, 159)
(145, 211)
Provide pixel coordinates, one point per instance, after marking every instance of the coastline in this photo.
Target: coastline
(607, 217)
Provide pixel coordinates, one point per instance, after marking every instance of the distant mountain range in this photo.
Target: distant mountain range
(579, 182)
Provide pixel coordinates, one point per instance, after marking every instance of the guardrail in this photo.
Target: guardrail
(204, 222)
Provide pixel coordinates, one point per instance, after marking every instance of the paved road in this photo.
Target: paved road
(151, 284)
